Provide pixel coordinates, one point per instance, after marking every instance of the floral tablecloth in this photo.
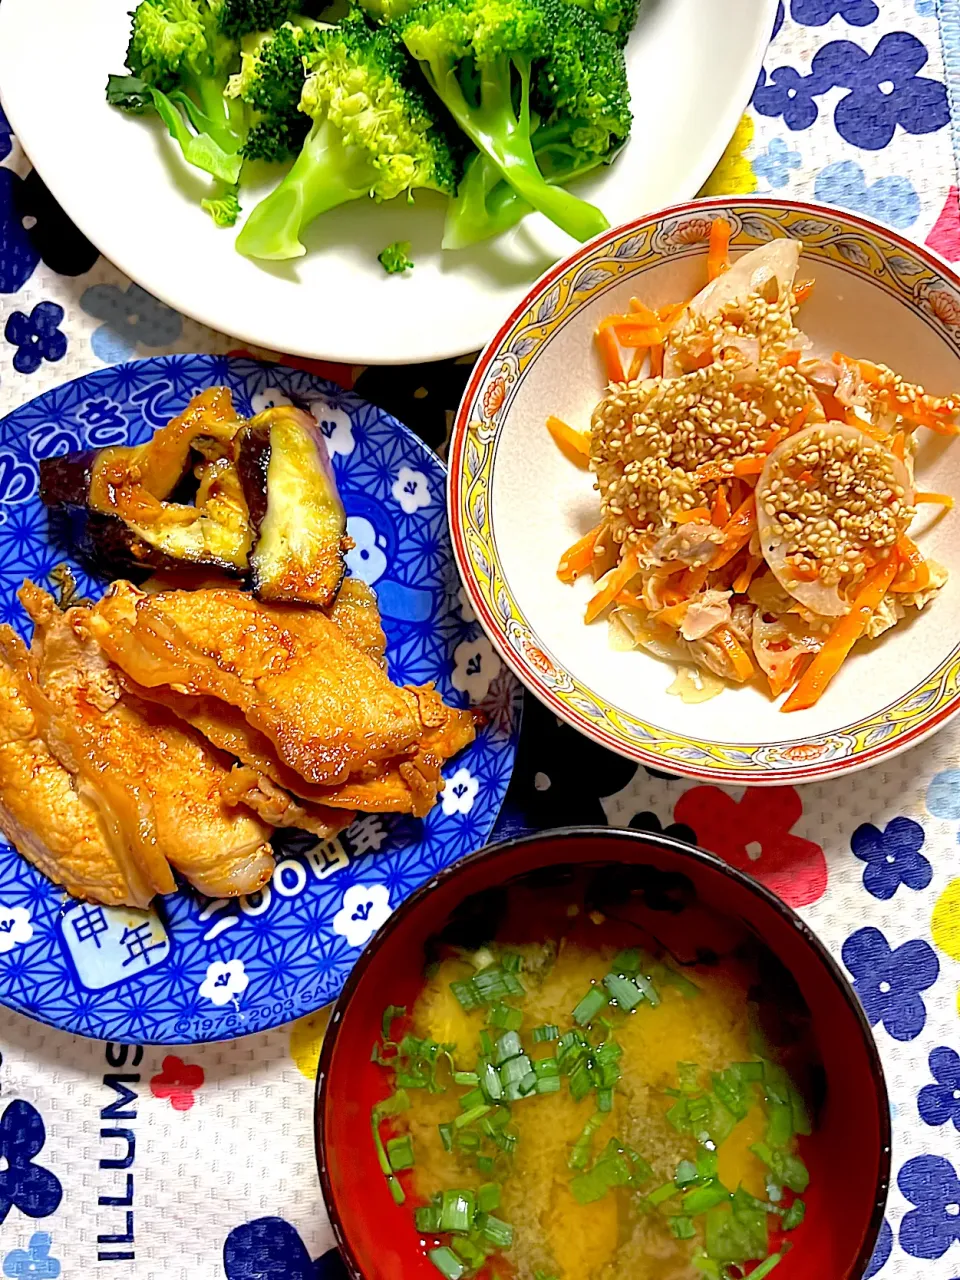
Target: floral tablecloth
(134, 1162)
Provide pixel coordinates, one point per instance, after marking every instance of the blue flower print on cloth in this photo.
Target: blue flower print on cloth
(892, 856)
(931, 1184)
(776, 163)
(943, 795)
(6, 136)
(18, 255)
(271, 1249)
(34, 1262)
(925, 8)
(817, 13)
(881, 1253)
(885, 91)
(891, 199)
(129, 316)
(939, 1103)
(889, 982)
(36, 336)
(34, 1190)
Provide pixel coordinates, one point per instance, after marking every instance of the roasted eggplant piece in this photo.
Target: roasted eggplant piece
(298, 520)
(117, 500)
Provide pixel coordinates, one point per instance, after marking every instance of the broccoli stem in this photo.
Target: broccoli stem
(485, 205)
(504, 135)
(324, 175)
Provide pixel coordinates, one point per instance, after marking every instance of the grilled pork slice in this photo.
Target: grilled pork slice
(295, 511)
(166, 782)
(63, 825)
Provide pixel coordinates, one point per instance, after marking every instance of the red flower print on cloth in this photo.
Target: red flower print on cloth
(755, 835)
(177, 1081)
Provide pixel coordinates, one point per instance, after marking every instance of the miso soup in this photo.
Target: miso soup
(599, 1080)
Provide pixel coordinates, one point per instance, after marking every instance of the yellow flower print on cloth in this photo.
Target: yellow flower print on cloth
(306, 1037)
(734, 174)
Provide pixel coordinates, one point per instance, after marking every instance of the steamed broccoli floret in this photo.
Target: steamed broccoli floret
(396, 257)
(581, 118)
(371, 135)
(481, 58)
(180, 60)
(224, 208)
(270, 82)
(240, 17)
(616, 16)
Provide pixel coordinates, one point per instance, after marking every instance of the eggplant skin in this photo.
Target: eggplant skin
(295, 510)
(65, 481)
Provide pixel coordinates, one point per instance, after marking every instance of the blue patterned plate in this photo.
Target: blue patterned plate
(192, 969)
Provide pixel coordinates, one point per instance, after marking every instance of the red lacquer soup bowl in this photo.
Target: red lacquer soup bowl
(848, 1154)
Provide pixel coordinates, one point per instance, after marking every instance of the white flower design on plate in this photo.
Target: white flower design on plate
(268, 398)
(336, 427)
(225, 980)
(411, 490)
(365, 560)
(475, 667)
(466, 608)
(365, 908)
(15, 927)
(459, 792)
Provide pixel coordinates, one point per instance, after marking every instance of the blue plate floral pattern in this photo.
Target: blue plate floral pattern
(191, 969)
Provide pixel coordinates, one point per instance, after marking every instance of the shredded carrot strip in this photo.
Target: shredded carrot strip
(942, 499)
(833, 410)
(853, 419)
(737, 532)
(575, 445)
(632, 334)
(746, 574)
(636, 363)
(899, 445)
(696, 513)
(722, 470)
(611, 584)
(643, 312)
(718, 254)
(670, 313)
(778, 683)
(743, 668)
(656, 360)
(803, 291)
(631, 599)
(721, 508)
(844, 634)
(673, 615)
(934, 417)
(789, 358)
(914, 572)
(578, 558)
(610, 350)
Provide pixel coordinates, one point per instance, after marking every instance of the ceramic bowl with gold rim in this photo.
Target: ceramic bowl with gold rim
(516, 502)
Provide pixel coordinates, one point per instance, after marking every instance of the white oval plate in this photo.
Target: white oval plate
(516, 503)
(123, 183)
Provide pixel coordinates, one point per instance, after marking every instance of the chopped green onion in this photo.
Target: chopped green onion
(682, 1227)
(468, 1117)
(488, 1196)
(787, 1169)
(607, 1063)
(400, 1153)
(626, 963)
(707, 1163)
(392, 1106)
(605, 1100)
(549, 1031)
(529, 1083)
(734, 1090)
(752, 1071)
(486, 1044)
(505, 1017)
(465, 1077)
(474, 1098)
(572, 1047)
(468, 997)
(662, 1193)
(446, 1136)
(512, 961)
(498, 1119)
(469, 1140)
(642, 1172)
(457, 1209)
(626, 993)
(390, 1012)
(688, 1073)
(485, 1164)
(542, 1275)
(768, 1264)
(470, 1250)
(707, 1267)
(447, 1262)
(508, 1046)
(579, 1156)
(671, 978)
(794, 1215)
(427, 1218)
(581, 1080)
(779, 1123)
(589, 1006)
(498, 1232)
(802, 1124)
(735, 1237)
(490, 1082)
(514, 1070)
(706, 1197)
(686, 1174)
(548, 1075)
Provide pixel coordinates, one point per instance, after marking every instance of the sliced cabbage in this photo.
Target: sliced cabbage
(778, 644)
(750, 275)
(817, 596)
